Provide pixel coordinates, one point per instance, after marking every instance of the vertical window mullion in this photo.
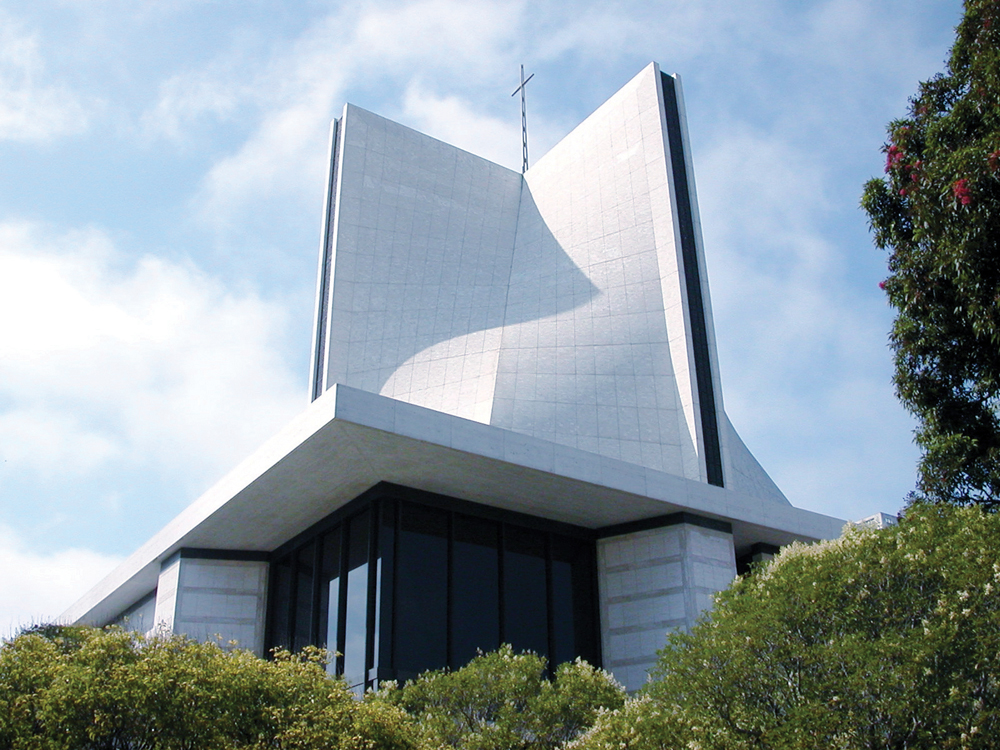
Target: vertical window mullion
(595, 619)
(314, 634)
(395, 577)
(342, 598)
(373, 524)
(449, 588)
(271, 610)
(549, 615)
(293, 599)
(502, 590)
(387, 551)
(329, 594)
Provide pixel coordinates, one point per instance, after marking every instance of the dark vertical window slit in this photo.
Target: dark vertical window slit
(550, 606)
(293, 598)
(503, 582)
(449, 588)
(370, 624)
(327, 268)
(342, 595)
(692, 279)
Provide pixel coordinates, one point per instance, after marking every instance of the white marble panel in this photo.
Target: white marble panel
(214, 599)
(651, 582)
(166, 594)
(550, 304)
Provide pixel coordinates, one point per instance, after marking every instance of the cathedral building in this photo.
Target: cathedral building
(517, 432)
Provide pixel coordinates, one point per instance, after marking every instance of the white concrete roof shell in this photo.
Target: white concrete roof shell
(552, 304)
(349, 440)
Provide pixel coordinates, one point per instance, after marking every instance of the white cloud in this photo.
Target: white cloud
(802, 340)
(31, 108)
(36, 588)
(763, 200)
(49, 441)
(188, 98)
(279, 157)
(404, 43)
(118, 369)
(459, 36)
(147, 363)
(780, 276)
(792, 92)
(277, 160)
(456, 121)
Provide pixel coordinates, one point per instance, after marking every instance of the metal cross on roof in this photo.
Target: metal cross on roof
(524, 120)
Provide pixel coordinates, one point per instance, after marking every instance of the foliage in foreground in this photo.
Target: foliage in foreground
(87, 689)
(74, 688)
(887, 639)
(504, 701)
(879, 639)
(938, 213)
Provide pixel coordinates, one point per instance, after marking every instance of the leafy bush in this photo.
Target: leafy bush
(879, 639)
(88, 689)
(502, 701)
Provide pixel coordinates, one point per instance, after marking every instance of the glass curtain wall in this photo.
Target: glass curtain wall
(399, 582)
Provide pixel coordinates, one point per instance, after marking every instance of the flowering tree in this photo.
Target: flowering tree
(880, 639)
(937, 211)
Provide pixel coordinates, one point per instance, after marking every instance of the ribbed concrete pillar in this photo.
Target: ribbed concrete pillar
(653, 581)
(208, 598)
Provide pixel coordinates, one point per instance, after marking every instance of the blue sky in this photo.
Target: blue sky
(161, 182)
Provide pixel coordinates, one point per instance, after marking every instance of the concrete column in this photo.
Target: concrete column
(655, 580)
(207, 597)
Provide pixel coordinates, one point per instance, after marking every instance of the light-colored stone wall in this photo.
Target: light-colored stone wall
(214, 599)
(424, 234)
(551, 304)
(607, 370)
(652, 582)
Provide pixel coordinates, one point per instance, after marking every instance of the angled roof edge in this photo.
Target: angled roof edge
(349, 440)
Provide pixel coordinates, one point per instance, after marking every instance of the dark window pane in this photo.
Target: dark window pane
(445, 585)
(355, 628)
(384, 584)
(305, 559)
(573, 610)
(329, 595)
(563, 637)
(281, 606)
(421, 589)
(525, 594)
(475, 609)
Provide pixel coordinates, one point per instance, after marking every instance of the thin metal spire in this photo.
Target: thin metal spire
(524, 120)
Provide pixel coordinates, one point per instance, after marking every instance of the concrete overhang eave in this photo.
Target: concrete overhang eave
(349, 440)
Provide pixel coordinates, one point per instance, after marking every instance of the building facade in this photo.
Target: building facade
(517, 431)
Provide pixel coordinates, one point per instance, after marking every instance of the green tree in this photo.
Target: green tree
(504, 701)
(81, 689)
(879, 639)
(938, 213)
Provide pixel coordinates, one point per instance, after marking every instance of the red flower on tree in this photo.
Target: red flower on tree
(893, 156)
(960, 189)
